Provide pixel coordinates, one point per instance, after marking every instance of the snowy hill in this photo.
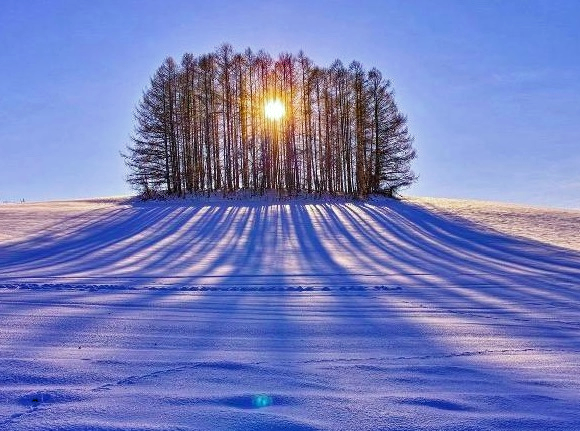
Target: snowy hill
(553, 226)
(298, 315)
(231, 243)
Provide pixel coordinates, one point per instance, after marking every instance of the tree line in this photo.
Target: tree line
(201, 126)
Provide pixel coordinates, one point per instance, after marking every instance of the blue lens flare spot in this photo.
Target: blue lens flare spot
(261, 400)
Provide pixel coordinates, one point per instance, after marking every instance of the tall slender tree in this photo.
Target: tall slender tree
(202, 126)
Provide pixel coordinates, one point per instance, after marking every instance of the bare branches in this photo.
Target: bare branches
(201, 126)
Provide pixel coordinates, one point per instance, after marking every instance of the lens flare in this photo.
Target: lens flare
(261, 400)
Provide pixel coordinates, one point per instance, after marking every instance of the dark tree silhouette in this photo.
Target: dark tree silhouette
(202, 126)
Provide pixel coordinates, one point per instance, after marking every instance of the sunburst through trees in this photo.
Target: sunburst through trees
(274, 109)
(233, 121)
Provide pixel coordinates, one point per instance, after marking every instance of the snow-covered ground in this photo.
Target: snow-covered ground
(295, 315)
(555, 226)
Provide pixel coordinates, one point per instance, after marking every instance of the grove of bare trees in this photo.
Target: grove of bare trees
(203, 125)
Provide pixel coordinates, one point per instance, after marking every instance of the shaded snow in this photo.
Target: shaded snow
(370, 316)
(554, 226)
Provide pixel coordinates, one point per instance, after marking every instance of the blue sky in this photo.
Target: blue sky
(491, 88)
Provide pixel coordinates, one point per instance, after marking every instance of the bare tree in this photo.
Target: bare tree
(201, 126)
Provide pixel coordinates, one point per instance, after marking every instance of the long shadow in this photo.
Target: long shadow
(473, 242)
(241, 243)
(257, 241)
(357, 342)
(82, 249)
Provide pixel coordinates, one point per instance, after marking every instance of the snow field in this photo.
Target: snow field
(295, 316)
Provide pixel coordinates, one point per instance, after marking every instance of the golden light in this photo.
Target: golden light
(274, 109)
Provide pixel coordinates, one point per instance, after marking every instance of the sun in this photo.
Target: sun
(274, 109)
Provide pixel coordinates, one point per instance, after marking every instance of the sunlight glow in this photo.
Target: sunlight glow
(274, 109)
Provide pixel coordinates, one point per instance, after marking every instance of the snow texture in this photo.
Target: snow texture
(296, 315)
(556, 226)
